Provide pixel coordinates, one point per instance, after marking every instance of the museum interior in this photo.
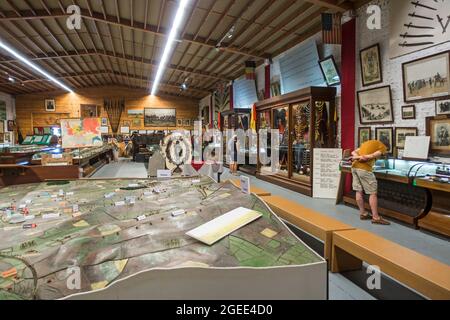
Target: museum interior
(293, 149)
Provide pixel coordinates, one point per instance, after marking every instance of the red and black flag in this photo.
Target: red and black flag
(250, 67)
(331, 28)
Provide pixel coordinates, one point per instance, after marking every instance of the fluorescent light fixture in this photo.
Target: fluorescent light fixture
(169, 44)
(32, 65)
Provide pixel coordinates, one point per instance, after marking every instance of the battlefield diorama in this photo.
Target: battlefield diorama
(111, 230)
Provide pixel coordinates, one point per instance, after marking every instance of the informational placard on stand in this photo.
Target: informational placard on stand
(163, 174)
(245, 184)
(326, 173)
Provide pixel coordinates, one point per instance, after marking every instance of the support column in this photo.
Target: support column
(348, 89)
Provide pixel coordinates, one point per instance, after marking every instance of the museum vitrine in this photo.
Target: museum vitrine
(415, 192)
(240, 119)
(302, 120)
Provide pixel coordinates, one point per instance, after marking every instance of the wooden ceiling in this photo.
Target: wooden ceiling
(121, 41)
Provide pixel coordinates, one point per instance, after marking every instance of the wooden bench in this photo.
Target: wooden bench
(427, 276)
(308, 220)
(258, 191)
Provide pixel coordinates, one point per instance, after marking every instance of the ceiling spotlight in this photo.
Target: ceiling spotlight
(11, 79)
(184, 86)
(228, 35)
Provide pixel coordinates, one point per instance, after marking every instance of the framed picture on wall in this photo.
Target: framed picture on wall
(401, 134)
(126, 123)
(330, 71)
(370, 63)
(364, 134)
(386, 136)
(427, 78)
(438, 128)
(154, 117)
(409, 112)
(50, 105)
(186, 122)
(179, 122)
(11, 125)
(104, 121)
(375, 105)
(2, 126)
(442, 107)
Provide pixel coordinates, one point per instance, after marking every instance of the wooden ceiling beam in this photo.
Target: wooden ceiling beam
(340, 6)
(102, 72)
(112, 20)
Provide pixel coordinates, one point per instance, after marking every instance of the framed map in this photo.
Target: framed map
(80, 133)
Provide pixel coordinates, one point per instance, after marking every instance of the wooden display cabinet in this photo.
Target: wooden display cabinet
(233, 120)
(304, 120)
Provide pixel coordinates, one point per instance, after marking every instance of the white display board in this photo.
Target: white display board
(326, 173)
(417, 148)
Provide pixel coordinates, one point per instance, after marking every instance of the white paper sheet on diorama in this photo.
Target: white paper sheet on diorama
(218, 228)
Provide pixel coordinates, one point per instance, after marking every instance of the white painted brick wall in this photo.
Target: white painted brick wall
(392, 69)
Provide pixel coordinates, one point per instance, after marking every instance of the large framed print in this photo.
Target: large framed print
(386, 136)
(158, 117)
(427, 78)
(375, 105)
(438, 128)
(370, 64)
(401, 134)
(330, 71)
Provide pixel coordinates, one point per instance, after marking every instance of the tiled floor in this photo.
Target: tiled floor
(340, 288)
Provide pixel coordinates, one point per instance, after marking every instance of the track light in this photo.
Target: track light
(169, 44)
(32, 65)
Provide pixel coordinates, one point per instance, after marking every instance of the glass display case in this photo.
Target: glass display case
(302, 120)
(415, 192)
(234, 120)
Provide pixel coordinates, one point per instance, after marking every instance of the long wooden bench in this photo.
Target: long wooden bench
(427, 276)
(308, 220)
(258, 191)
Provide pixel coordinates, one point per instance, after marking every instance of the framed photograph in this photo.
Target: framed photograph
(427, 78)
(438, 128)
(104, 122)
(136, 122)
(409, 112)
(442, 107)
(401, 134)
(50, 105)
(154, 117)
(330, 71)
(364, 134)
(2, 110)
(125, 130)
(375, 105)
(126, 123)
(186, 122)
(11, 125)
(386, 136)
(2, 126)
(370, 63)
(179, 122)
